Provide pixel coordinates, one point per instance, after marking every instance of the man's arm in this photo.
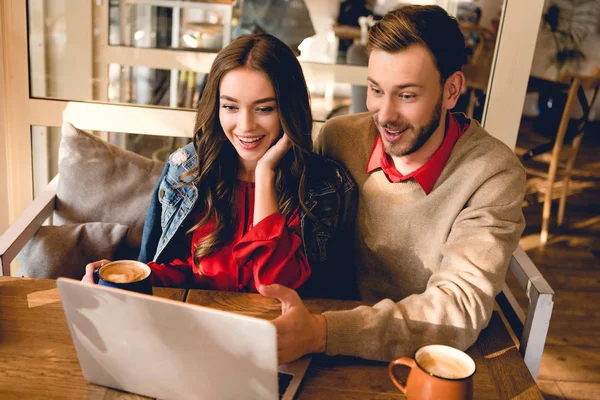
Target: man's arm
(458, 300)
(459, 297)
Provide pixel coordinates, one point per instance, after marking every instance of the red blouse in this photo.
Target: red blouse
(269, 252)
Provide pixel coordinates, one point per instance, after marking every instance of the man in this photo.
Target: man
(439, 211)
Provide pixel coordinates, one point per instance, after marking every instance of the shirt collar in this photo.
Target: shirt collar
(427, 174)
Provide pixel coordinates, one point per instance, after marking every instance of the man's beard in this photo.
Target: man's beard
(420, 136)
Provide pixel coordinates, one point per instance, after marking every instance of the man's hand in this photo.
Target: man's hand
(298, 331)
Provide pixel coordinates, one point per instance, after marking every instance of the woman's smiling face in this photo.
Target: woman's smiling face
(248, 114)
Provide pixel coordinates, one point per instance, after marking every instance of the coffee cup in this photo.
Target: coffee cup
(436, 372)
(125, 274)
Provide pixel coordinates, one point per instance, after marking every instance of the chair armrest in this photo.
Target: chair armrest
(529, 277)
(18, 234)
(532, 328)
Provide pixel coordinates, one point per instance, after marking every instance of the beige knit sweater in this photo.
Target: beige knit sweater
(433, 262)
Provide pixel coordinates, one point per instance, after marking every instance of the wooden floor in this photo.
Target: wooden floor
(570, 262)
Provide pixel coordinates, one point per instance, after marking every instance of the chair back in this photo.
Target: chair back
(571, 133)
(531, 329)
(579, 84)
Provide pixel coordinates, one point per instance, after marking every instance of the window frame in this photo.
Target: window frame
(19, 112)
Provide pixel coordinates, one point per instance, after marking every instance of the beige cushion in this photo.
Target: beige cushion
(100, 182)
(65, 250)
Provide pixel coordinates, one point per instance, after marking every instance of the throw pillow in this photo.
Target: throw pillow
(65, 250)
(100, 182)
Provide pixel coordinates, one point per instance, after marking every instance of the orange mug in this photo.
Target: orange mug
(436, 372)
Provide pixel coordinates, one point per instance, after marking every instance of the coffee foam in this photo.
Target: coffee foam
(445, 362)
(123, 272)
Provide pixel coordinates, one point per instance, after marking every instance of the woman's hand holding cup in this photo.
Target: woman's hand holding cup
(89, 271)
(122, 274)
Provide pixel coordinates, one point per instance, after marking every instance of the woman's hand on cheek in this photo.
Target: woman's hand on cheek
(265, 198)
(271, 158)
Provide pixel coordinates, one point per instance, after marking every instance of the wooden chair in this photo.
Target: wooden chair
(578, 85)
(530, 328)
(18, 234)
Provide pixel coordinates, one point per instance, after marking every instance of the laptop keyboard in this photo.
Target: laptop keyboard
(283, 381)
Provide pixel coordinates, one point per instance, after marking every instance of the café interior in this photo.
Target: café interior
(132, 72)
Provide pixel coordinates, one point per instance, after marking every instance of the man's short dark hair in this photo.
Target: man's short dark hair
(430, 26)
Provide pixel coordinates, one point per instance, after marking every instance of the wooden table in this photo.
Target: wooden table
(37, 356)
(38, 359)
(501, 372)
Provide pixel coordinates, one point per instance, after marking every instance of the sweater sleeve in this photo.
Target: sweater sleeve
(272, 249)
(459, 297)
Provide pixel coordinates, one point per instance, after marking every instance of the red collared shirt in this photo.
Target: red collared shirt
(427, 174)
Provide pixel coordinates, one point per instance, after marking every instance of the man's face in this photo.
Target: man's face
(405, 98)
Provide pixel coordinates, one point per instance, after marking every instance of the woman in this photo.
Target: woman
(248, 203)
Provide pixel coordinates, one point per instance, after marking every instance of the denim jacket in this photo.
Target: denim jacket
(330, 195)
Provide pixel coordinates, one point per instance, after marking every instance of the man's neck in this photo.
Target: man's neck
(411, 162)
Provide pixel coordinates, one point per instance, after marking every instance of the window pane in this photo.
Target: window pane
(141, 85)
(141, 51)
(196, 26)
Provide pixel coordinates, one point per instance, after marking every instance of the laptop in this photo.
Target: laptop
(172, 350)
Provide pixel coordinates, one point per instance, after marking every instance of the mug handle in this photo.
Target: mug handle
(406, 361)
(96, 275)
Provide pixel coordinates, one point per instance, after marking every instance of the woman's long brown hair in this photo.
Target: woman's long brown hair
(216, 171)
